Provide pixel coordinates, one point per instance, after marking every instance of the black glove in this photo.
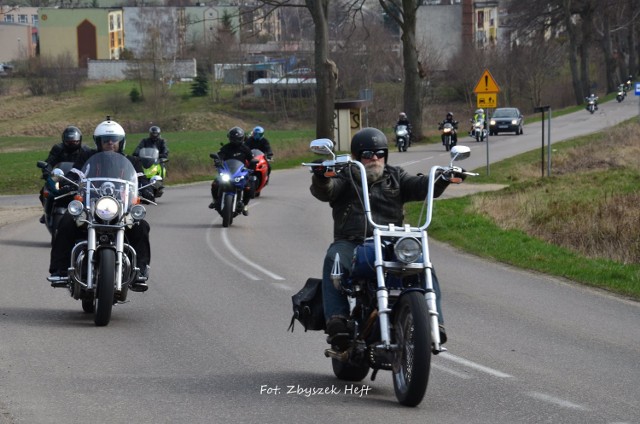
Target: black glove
(455, 172)
(65, 189)
(319, 171)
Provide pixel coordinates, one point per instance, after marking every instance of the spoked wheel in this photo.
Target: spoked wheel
(412, 360)
(105, 279)
(349, 372)
(227, 210)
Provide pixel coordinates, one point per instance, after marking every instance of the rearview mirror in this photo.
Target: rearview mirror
(322, 146)
(460, 153)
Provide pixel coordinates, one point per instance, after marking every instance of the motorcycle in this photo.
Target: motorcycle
(152, 165)
(591, 105)
(622, 93)
(53, 211)
(448, 131)
(478, 131)
(260, 175)
(402, 138)
(103, 265)
(394, 319)
(627, 86)
(233, 179)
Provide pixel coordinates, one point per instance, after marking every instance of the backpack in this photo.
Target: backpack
(307, 306)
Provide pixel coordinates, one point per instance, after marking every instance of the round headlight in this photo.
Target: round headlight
(138, 212)
(107, 208)
(75, 207)
(408, 250)
(225, 177)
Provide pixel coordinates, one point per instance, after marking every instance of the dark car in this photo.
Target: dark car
(506, 119)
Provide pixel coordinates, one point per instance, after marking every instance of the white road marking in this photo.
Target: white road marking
(470, 364)
(557, 401)
(244, 259)
(450, 371)
(222, 258)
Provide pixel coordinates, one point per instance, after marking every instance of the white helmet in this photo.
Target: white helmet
(109, 130)
(480, 111)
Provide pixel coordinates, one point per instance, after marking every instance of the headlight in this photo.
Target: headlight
(408, 250)
(138, 212)
(514, 122)
(75, 207)
(107, 208)
(492, 122)
(225, 177)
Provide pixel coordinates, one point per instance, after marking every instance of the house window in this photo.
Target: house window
(34, 20)
(111, 23)
(480, 18)
(23, 19)
(8, 18)
(119, 22)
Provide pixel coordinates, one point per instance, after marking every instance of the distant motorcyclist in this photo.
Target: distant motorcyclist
(478, 115)
(403, 120)
(449, 120)
(594, 98)
(109, 136)
(66, 151)
(235, 149)
(257, 140)
(154, 140)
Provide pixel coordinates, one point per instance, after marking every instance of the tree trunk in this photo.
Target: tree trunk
(326, 70)
(412, 90)
(573, 52)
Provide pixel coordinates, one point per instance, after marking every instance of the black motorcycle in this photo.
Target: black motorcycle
(53, 208)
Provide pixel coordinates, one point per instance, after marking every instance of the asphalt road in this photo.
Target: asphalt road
(208, 343)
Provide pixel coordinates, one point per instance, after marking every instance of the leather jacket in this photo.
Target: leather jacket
(387, 196)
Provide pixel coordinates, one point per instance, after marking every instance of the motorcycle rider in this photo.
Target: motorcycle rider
(593, 98)
(66, 151)
(154, 140)
(108, 136)
(403, 120)
(449, 119)
(389, 188)
(478, 115)
(235, 149)
(257, 140)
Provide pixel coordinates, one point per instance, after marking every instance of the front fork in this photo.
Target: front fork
(91, 252)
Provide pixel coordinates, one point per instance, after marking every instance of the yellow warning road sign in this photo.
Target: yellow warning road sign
(487, 100)
(486, 84)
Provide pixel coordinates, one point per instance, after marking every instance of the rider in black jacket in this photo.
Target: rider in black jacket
(390, 187)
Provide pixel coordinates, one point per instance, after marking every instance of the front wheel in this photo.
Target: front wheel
(105, 279)
(412, 360)
(227, 210)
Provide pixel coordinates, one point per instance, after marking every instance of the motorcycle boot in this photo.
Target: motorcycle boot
(140, 284)
(338, 333)
(59, 279)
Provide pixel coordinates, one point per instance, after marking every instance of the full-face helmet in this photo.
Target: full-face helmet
(236, 135)
(258, 133)
(480, 112)
(402, 116)
(71, 139)
(449, 116)
(369, 140)
(109, 131)
(154, 132)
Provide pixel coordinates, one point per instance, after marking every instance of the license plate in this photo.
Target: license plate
(503, 126)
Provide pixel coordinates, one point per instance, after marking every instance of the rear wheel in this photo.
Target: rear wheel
(227, 210)
(412, 360)
(349, 372)
(105, 279)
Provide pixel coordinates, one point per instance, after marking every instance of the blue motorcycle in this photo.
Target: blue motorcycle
(233, 180)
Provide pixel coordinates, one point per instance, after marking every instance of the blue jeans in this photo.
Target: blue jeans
(334, 301)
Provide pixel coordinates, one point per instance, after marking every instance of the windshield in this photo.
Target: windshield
(505, 113)
(149, 156)
(109, 174)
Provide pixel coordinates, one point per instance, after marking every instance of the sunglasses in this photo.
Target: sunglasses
(369, 154)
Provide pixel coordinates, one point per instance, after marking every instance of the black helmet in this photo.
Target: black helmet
(449, 115)
(154, 131)
(236, 135)
(71, 138)
(369, 139)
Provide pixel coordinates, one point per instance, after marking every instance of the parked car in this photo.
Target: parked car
(301, 73)
(506, 119)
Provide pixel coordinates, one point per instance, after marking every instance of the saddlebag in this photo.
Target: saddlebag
(307, 306)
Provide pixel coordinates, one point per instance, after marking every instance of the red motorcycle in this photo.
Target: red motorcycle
(260, 175)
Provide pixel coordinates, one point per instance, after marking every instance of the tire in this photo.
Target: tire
(412, 360)
(227, 210)
(88, 305)
(105, 279)
(447, 143)
(349, 372)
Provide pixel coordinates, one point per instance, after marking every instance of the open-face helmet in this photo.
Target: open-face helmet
(109, 131)
(369, 140)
